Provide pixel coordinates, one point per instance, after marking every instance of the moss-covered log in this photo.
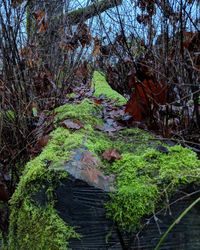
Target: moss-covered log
(71, 166)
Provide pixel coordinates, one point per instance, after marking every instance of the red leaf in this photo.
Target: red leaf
(111, 155)
(145, 93)
(72, 124)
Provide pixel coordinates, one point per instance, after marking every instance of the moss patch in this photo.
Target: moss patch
(32, 226)
(145, 179)
(102, 88)
(86, 112)
(38, 228)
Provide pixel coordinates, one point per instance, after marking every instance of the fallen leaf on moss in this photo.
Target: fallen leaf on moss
(109, 128)
(72, 124)
(98, 101)
(111, 155)
(105, 128)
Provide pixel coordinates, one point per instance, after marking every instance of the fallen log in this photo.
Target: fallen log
(94, 188)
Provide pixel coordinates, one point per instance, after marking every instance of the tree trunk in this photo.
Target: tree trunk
(57, 22)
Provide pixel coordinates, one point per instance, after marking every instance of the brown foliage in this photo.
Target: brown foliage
(41, 21)
(97, 46)
(111, 155)
(147, 95)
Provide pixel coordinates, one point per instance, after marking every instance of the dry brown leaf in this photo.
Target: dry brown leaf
(69, 44)
(72, 124)
(111, 155)
(41, 22)
(39, 16)
(42, 142)
(83, 34)
(97, 46)
(43, 27)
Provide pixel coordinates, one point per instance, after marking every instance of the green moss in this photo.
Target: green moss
(143, 176)
(32, 226)
(97, 142)
(8, 114)
(86, 111)
(102, 88)
(131, 203)
(38, 228)
(125, 141)
(71, 95)
(35, 227)
(38, 174)
(141, 165)
(143, 179)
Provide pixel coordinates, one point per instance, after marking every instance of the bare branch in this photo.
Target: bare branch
(82, 14)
